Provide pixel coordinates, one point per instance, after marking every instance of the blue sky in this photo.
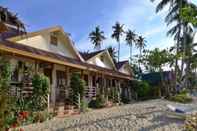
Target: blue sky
(79, 17)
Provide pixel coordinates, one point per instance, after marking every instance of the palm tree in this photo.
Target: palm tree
(140, 44)
(130, 39)
(112, 52)
(117, 33)
(97, 37)
(174, 16)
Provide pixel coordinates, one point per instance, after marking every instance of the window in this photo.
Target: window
(94, 81)
(86, 80)
(54, 40)
(3, 16)
(114, 83)
(102, 58)
(15, 75)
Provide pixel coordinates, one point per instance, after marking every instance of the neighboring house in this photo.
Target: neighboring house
(53, 53)
(124, 67)
(155, 77)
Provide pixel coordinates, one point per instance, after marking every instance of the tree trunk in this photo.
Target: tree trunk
(176, 61)
(118, 51)
(140, 57)
(131, 53)
(162, 80)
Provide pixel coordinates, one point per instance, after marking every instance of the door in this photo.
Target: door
(61, 86)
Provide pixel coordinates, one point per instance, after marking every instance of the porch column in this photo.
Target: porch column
(68, 76)
(97, 83)
(53, 86)
(90, 84)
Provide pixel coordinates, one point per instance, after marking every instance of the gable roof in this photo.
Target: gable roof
(121, 63)
(87, 56)
(34, 53)
(47, 30)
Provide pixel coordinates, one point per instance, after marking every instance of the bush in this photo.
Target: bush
(40, 85)
(5, 99)
(142, 89)
(83, 106)
(99, 102)
(182, 98)
(77, 86)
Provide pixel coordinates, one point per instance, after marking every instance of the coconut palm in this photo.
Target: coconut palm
(179, 26)
(117, 33)
(130, 39)
(112, 52)
(140, 44)
(97, 37)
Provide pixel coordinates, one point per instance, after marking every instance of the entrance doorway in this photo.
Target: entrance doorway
(61, 88)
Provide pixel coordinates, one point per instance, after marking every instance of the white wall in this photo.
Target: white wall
(125, 69)
(106, 63)
(43, 42)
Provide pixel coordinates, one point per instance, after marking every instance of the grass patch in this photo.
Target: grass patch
(181, 98)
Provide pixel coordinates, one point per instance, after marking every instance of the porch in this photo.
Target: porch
(23, 69)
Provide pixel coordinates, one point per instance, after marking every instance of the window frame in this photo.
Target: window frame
(53, 40)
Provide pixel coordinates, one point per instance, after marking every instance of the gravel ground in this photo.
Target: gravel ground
(143, 116)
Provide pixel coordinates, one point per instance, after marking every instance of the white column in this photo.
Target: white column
(90, 83)
(68, 76)
(53, 86)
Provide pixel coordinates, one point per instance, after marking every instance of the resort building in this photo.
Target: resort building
(52, 52)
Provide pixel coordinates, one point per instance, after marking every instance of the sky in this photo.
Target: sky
(80, 17)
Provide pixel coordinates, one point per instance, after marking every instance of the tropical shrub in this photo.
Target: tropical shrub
(181, 97)
(142, 89)
(116, 98)
(99, 102)
(83, 106)
(77, 86)
(40, 85)
(5, 99)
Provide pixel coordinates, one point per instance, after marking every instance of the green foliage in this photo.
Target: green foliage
(5, 73)
(77, 86)
(97, 37)
(155, 59)
(99, 102)
(136, 71)
(5, 100)
(189, 14)
(143, 89)
(181, 97)
(40, 85)
(116, 94)
(84, 106)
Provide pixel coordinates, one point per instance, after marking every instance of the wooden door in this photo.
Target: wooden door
(61, 85)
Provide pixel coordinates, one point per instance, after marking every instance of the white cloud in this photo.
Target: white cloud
(162, 43)
(154, 30)
(138, 16)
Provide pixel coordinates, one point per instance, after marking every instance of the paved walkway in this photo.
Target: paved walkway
(142, 116)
